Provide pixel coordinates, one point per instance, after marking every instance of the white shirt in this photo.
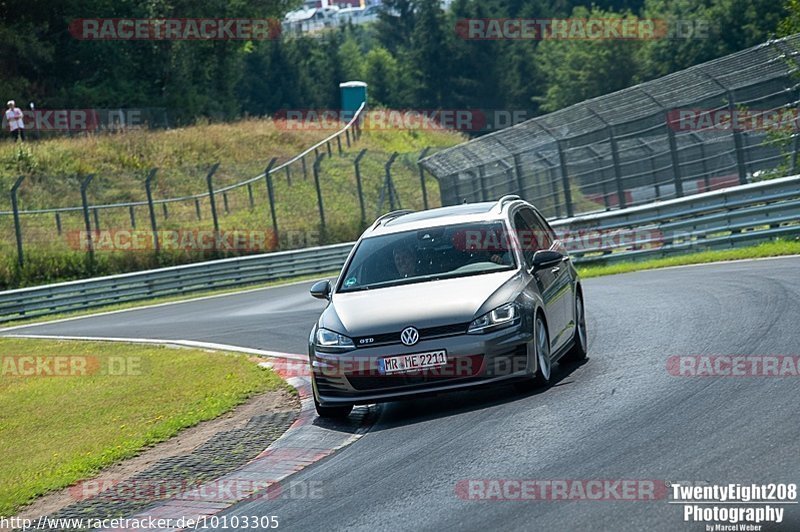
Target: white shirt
(14, 117)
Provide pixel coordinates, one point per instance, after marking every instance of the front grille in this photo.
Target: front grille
(424, 334)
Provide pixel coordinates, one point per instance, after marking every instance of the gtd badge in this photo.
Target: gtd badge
(364, 341)
(409, 336)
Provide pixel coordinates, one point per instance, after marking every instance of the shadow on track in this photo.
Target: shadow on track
(434, 406)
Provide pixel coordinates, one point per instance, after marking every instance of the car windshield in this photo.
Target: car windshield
(429, 254)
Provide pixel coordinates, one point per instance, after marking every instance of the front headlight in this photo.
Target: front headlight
(498, 318)
(332, 341)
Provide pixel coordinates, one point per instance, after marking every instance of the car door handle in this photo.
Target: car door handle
(556, 269)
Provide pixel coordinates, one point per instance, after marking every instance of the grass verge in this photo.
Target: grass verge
(105, 402)
(767, 249)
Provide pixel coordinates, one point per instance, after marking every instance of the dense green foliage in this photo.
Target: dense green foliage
(414, 59)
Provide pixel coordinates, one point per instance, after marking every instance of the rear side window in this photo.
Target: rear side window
(542, 238)
(527, 238)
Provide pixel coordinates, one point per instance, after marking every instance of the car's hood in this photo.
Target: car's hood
(426, 304)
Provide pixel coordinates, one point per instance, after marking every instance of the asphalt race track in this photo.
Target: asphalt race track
(620, 415)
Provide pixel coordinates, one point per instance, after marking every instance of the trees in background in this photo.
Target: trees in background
(412, 57)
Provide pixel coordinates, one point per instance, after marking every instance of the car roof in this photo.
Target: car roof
(456, 214)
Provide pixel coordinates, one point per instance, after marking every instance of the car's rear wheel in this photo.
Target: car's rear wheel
(542, 353)
(581, 340)
(333, 411)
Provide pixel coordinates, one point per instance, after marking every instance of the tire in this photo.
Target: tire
(544, 364)
(333, 412)
(580, 342)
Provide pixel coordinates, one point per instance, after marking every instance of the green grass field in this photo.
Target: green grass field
(54, 168)
(52, 432)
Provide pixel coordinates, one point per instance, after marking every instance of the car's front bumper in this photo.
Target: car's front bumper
(472, 360)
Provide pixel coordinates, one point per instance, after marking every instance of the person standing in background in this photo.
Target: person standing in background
(15, 122)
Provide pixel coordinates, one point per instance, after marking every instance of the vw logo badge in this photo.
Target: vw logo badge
(409, 336)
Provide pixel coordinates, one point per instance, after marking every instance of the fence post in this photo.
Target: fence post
(213, 201)
(58, 223)
(518, 174)
(165, 210)
(422, 155)
(87, 224)
(96, 219)
(737, 142)
(562, 161)
(330, 151)
(133, 216)
(356, 164)
(317, 161)
(250, 195)
(153, 224)
(347, 136)
(482, 182)
(288, 175)
(389, 183)
(673, 153)
(225, 202)
(197, 208)
(271, 196)
(651, 152)
(17, 226)
(617, 168)
(339, 144)
(703, 161)
(305, 169)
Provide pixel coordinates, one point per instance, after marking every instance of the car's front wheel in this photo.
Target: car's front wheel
(580, 342)
(333, 411)
(542, 353)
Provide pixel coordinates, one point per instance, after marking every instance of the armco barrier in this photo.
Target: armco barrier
(226, 273)
(728, 218)
(732, 217)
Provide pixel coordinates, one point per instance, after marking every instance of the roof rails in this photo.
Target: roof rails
(505, 199)
(390, 216)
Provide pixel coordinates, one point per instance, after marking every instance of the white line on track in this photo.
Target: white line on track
(181, 343)
(154, 305)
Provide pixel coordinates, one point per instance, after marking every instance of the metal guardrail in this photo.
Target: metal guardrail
(728, 218)
(226, 273)
(723, 219)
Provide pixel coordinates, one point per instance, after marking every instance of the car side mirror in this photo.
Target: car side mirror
(546, 259)
(321, 289)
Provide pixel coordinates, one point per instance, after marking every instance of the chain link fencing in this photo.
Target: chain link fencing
(730, 121)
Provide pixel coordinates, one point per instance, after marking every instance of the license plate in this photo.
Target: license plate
(415, 361)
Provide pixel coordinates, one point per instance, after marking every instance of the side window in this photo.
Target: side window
(548, 230)
(524, 235)
(541, 238)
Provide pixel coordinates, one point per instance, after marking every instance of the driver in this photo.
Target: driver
(405, 260)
